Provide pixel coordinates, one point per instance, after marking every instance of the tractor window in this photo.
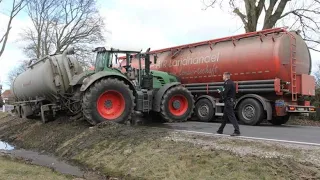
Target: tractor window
(99, 62)
(103, 60)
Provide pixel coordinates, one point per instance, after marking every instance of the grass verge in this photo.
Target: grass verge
(14, 169)
(144, 153)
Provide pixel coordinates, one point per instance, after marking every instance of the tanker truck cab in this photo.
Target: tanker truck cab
(114, 93)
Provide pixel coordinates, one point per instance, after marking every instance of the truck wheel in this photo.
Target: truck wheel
(204, 110)
(279, 120)
(250, 112)
(177, 104)
(108, 100)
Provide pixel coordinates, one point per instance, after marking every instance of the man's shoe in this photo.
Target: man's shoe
(219, 132)
(235, 134)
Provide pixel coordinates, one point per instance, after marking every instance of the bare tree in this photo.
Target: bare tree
(13, 73)
(17, 6)
(58, 24)
(296, 14)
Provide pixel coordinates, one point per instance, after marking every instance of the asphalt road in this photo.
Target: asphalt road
(305, 134)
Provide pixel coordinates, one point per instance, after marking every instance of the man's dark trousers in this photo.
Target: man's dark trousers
(228, 114)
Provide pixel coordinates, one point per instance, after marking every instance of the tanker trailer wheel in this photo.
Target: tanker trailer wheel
(250, 112)
(204, 110)
(17, 112)
(279, 120)
(108, 100)
(177, 104)
(46, 113)
(20, 111)
(46, 116)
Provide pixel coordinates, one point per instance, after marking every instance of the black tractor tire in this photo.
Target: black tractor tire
(93, 94)
(181, 92)
(204, 110)
(250, 112)
(279, 120)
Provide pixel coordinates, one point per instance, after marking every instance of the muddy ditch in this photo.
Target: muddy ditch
(40, 159)
(126, 152)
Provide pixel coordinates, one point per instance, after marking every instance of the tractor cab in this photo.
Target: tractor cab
(108, 60)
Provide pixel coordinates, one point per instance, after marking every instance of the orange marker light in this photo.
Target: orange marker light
(291, 108)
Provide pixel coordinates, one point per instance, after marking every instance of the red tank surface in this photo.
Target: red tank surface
(252, 56)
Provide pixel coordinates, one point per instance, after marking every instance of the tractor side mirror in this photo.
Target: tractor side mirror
(116, 58)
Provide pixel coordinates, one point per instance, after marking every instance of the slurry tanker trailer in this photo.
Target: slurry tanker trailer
(271, 69)
(57, 83)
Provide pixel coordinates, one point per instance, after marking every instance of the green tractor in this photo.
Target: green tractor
(112, 93)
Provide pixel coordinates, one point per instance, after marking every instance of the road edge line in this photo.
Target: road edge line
(253, 138)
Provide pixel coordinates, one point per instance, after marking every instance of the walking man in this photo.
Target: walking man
(228, 94)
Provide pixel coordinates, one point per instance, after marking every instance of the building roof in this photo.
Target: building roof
(6, 94)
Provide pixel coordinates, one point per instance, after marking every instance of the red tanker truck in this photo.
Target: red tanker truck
(271, 69)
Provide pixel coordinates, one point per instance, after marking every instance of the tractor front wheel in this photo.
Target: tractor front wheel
(177, 104)
(108, 100)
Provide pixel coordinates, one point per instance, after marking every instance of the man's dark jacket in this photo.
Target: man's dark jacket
(229, 90)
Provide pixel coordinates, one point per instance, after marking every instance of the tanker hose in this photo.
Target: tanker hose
(71, 104)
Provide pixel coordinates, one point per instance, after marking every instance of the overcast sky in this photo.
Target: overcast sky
(141, 24)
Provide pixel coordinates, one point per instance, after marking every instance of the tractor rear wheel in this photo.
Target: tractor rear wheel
(177, 104)
(108, 100)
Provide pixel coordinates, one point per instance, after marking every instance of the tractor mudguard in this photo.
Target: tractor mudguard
(88, 81)
(77, 79)
(264, 102)
(159, 94)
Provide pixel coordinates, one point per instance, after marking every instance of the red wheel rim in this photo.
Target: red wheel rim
(178, 105)
(110, 105)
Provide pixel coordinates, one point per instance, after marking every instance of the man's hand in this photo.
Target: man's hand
(220, 90)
